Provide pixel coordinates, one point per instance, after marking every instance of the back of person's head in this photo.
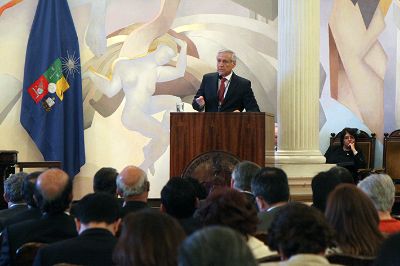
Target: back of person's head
(97, 208)
(105, 180)
(216, 182)
(380, 189)
(215, 245)
(353, 216)
(178, 198)
(201, 192)
(132, 181)
(351, 131)
(389, 254)
(242, 175)
(321, 185)
(148, 238)
(271, 184)
(342, 173)
(13, 188)
(53, 191)
(28, 188)
(230, 208)
(298, 229)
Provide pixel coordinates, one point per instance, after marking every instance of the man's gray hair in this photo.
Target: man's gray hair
(13, 187)
(140, 187)
(233, 55)
(380, 189)
(243, 173)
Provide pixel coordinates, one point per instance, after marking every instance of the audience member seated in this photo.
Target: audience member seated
(53, 193)
(201, 192)
(148, 238)
(301, 235)
(381, 190)
(178, 199)
(353, 216)
(347, 154)
(241, 177)
(133, 186)
(271, 188)
(28, 189)
(215, 245)
(14, 198)
(229, 207)
(389, 254)
(322, 185)
(344, 175)
(105, 180)
(97, 220)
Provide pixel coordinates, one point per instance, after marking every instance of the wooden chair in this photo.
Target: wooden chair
(45, 164)
(25, 254)
(262, 236)
(270, 258)
(391, 154)
(350, 260)
(365, 143)
(391, 163)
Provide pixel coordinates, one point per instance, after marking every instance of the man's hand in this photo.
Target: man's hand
(200, 101)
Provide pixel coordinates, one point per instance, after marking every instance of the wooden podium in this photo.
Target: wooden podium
(192, 134)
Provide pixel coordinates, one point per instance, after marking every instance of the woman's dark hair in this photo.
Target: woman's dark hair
(298, 229)
(148, 238)
(28, 188)
(351, 131)
(215, 245)
(353, 216)
(321, 185)
(230, 208)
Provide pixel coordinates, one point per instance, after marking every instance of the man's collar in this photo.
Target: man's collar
(228, 77)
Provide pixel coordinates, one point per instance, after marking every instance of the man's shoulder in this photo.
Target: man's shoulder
(210, 75)
(240, 79)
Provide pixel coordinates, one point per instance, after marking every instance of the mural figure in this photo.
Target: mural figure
(137, 78)
(358, 66)
(95, 34)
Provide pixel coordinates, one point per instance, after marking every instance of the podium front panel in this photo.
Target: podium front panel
(192, 134)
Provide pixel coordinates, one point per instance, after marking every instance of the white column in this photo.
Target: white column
(298, 90)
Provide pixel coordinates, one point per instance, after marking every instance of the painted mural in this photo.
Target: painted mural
(140, 57)
(358, 50)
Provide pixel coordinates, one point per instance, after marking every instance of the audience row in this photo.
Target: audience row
(250, 221)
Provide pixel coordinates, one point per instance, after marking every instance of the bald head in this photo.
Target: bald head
(132, 181)
(53, 190)
(51, 183)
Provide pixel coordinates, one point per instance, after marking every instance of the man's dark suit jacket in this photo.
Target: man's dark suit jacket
(266, 218)
(92, 247)
(28, 214)
(7, 214)
(47, 229)
(239, 96)
(133, 206)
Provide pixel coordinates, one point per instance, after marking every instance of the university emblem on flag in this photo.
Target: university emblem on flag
(51, 81)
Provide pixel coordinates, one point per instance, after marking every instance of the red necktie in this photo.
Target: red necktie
(221, 90)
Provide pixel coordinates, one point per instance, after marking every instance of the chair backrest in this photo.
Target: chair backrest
(350, 260)
(365, 143)
(25, 254)
(391, 154)
(270, 258)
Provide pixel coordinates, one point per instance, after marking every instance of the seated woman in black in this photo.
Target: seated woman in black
(347, 154)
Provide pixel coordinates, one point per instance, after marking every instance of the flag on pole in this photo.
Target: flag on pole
(51, 109)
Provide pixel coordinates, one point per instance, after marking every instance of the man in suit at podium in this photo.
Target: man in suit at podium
(224, 91)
